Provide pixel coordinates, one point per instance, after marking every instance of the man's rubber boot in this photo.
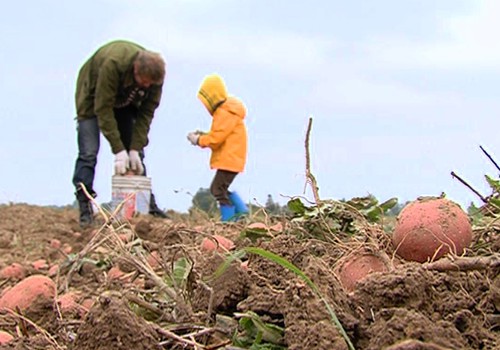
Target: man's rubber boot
(239, 205)
(154, 209)
(86, 213)
(227, 212)
(85, 207)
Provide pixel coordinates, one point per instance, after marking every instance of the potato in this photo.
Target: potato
(429, 228)
(356, 267)
(26, 292)
(217, 242)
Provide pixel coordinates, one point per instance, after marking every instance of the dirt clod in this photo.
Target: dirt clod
(111, 325)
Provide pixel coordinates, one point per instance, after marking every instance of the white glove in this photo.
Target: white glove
(121, 162)
(136, 162)
(193, 138)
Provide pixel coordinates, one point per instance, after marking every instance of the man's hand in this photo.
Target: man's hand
(193, 138)
(121, 162)
(136, 162)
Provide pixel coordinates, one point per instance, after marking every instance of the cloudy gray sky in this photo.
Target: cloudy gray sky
(401, 92)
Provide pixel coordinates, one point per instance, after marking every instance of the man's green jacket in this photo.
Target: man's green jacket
(105, 82)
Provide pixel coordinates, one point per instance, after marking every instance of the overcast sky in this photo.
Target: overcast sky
(401, 93)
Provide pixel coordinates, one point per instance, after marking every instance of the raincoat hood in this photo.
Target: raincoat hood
(212, 92)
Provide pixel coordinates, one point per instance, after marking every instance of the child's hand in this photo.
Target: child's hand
(193, 138)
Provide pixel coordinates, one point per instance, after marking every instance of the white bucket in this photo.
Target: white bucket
(135, 193)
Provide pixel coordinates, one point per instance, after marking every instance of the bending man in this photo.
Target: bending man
(117, 92)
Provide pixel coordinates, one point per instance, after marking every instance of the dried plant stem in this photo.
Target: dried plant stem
(465, 263)
(309, 176)
(490, 158)
(97, 240)
(203, 331)
(491, 223)
(141, 264)
(22, 323)
(46, 334)
(107, 219)
(412, 344)
(144, 304)
(219, 345)
(453, 174)
(210, 301)
(181, 340)
(91, 245)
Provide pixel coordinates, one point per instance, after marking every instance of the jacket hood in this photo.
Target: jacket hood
(234, 106)
(212, 92)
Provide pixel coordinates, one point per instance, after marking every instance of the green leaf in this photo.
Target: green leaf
(180, 272)
(255, 233)
(494, 201)
(494, 184)
(259, 329)
(373, 215)
(238, 255)
(389, 204)
(296, 206)
(363, 202)
(256, 334)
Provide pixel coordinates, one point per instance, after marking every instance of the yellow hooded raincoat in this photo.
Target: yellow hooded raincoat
(227, 137)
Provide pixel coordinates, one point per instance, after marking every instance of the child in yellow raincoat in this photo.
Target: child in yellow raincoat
(227, 140)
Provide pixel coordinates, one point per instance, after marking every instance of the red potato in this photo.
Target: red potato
(68, 302)
(40, 264)
(85, 306)
(429, 228)
(357, 267)
(55, 243)
(115, 273)
(5, 338)
(210, 244)
(277, 227)
(125, 237)
(258, 225)
(66, 248)
(154, 259)
(261, 226)
(14, 271)
(26, 292)
(53, 270)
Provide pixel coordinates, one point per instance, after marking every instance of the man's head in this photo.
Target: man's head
(149, 69)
